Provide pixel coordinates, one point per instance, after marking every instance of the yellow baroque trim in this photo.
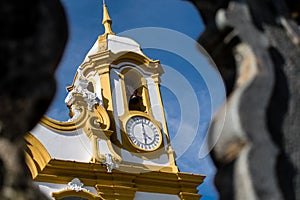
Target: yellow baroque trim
(33, 168)
(102, 116)
(91, 174)
(189, 196)
(65, 126)
(37, 157)
(141, 60)
(116, 192)
(71, 193)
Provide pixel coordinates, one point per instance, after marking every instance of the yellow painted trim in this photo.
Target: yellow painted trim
(91, 174)
(124, 94)
(189, 196)
(71, 193)
(32, 166)
(37, 157)
(102, 116)
(116, 192)
(107, 21)
(142, 61)
(65, 126)
(98, 156)
(107, 58)
(106, 92)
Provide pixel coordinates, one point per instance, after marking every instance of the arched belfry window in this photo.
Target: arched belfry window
(135, 90)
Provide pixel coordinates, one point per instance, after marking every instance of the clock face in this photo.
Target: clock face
(143, 134)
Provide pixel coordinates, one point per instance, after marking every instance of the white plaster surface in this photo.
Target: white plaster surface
(153, 196)
(117, 99)
(73, 146)
(161, 161)
(98, 87)
(103, 148)
(117, 92)
(154, 101)
(116, 44)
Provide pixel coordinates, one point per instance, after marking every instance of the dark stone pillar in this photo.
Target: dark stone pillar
(32, 39)
(256, 46)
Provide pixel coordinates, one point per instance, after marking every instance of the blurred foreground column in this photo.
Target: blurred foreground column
(32, 39)
(255, 45)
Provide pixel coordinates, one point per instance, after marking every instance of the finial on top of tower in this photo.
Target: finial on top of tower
(106, 20)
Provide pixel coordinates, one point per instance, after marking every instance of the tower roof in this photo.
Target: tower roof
(109, 41)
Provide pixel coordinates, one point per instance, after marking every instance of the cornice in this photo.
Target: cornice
(94, 174)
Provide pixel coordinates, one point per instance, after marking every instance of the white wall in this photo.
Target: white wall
(154, 196)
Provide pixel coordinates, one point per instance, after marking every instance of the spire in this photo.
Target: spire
(106, 20)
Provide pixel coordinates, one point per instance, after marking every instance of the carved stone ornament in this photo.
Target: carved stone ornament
(255, 46)
(109, 162)
(89, 97)
(76, 185)
(76, 113)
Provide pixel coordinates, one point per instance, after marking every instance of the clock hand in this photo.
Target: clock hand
(147, 136)
(144, 134)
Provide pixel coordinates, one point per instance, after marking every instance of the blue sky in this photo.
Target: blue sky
(182, 105)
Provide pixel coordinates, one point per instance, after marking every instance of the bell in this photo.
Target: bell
(134, 99)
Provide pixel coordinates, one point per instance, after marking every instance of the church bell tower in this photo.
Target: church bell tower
(116, 143)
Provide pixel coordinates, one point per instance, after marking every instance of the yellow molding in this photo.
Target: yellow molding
(107, 91)
(71, 193)
(116, 192)
(107, 21)
(32, 166)
(156, 78)
(103, 117)
(98, 156)
(65, 126)
(110, 58)
(91, 174)
(37, 157)
(141, 60)
(106, 58)
(189, 196)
